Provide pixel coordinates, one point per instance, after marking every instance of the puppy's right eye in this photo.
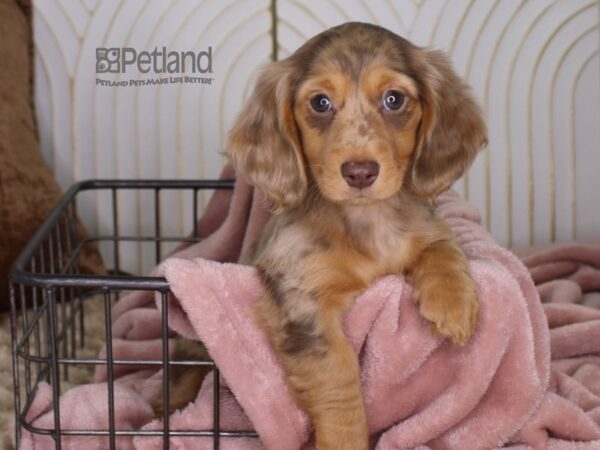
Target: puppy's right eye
(393, 100)
(321, 103)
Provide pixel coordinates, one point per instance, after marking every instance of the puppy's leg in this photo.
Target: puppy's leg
(444, 290)
(326, 382)
(321, 366)
(184, 381)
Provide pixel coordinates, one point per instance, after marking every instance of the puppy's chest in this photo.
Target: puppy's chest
(381, 236)
(365, 243)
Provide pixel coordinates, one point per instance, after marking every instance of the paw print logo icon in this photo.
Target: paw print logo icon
(108, 60)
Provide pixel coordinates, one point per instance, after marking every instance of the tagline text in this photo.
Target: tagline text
(155, 81)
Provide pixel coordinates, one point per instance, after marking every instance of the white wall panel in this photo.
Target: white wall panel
(166, 131)
(534, 66)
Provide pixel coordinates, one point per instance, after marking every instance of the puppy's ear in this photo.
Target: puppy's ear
(452, 129)
(264, 143)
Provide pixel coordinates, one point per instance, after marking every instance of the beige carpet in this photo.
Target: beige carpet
(94, 332)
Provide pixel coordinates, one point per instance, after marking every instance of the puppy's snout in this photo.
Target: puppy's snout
(360, 174)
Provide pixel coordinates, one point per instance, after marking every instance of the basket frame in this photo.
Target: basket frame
(47, 276)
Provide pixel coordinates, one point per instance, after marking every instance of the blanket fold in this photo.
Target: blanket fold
(529, 378)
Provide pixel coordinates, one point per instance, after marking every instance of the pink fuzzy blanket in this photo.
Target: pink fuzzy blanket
(530, 377)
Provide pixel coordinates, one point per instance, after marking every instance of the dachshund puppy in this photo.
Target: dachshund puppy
(350, 139)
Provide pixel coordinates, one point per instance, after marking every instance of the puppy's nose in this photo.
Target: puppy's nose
(360, 174)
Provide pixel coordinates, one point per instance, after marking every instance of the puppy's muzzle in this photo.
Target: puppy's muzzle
(360, 174)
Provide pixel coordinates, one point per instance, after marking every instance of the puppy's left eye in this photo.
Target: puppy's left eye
(321, 103)
(393, 100)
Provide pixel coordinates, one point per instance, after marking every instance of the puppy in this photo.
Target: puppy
(350, 139)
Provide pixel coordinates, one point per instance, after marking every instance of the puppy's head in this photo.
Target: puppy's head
(362, 114)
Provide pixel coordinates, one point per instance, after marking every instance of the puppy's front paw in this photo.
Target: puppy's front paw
(451, 305)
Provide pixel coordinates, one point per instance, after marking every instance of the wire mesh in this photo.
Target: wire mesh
(48, 323)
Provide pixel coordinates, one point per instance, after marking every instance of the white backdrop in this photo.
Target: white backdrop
(534, 65)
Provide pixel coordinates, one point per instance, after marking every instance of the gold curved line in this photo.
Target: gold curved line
(136, 97)
(513, 60)
(459, 26)
(284, 50)
(53, 102)
(245, 88)
(132, 28)
(398, 16)
(234, 30)
(486, 152)
(292, 28)
(53, 96)
(419, 10)
(573, 153)
(94, 136)
(71, 82)
(151, 37)
(550, 123)
(91, 8)
(47, 71)
(109, 29)
(224, 39)
(114, 93)
(509, 179)
(274, 30)
(308, 12)
(227, 77)
(178, 149)
(136, 121)
(482, 24)
(69, 19)
(189, 13)
(465, 186)
(245, 92)
(436, 26)
(138, 196)
(118, 77)
(220, 13)
(52, 32)
(540, 54)
(178, 112)
(369, 12)
(509, 193)
(340, 10)
(44, 68)
(74, 107)
(85, 6)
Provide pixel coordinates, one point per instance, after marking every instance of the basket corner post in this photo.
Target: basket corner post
(15, 363)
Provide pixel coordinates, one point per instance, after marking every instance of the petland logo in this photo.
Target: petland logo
(176, 67)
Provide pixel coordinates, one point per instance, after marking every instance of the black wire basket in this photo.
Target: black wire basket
(48, 292)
